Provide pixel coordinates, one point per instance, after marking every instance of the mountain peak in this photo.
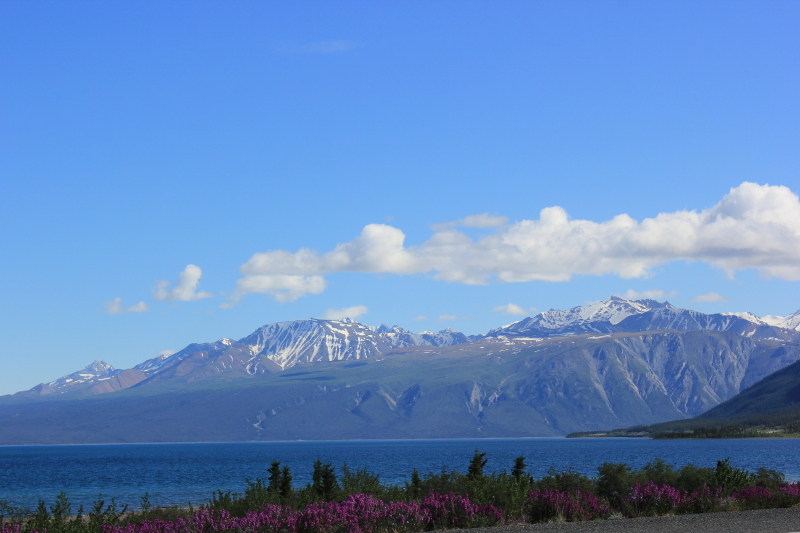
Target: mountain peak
(99, 367)
(600, 316)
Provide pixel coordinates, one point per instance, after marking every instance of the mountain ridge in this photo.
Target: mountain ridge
(280, 346)
(491, 387)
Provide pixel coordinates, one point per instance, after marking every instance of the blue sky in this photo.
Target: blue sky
(289, 160)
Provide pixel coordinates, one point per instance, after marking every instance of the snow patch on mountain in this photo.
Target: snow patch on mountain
(93, 372)
(789, 322)
(750, 317)
(611, 311)
(619, 315)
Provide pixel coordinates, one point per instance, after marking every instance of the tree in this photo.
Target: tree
(275, 477)
(415, 487)
(323, 480)
(285, 488)
(476, 465)
(519, 468)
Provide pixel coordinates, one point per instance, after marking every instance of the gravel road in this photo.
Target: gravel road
(767, 521)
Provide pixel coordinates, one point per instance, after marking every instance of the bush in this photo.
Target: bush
(705, 500)
(614, 482)
(566, 481)
(731, 479)
(660, 473)
(565, 506)
(652, 500)
(358, 502)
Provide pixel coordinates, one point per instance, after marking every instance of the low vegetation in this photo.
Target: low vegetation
(780, 425)
(356, 501)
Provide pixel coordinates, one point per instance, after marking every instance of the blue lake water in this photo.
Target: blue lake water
(175, 474)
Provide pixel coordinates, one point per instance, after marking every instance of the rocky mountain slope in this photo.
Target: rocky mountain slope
(614, 363)
(97, 378)
(617, 315)
(492, 387)
(269, 349)
(489, 387)
(768, 408)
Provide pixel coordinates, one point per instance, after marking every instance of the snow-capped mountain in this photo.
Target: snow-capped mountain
(401, 338)
(597, 317)
(306, 341)
(789, 322)
(98, 370)
(276, 347)
(225, 358)
(613, 363)
(617, 315)
(269, 349)
(97, 378)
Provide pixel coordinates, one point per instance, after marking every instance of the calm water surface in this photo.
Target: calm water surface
(175, 474)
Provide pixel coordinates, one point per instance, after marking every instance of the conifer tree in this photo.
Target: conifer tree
(519, 468)
(476, 465)
(274, 477)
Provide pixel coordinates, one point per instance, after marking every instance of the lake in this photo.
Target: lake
(176, 474)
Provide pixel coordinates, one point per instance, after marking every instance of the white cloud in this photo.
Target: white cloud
(752, 227)
(444, 318)
(710, 297)
(186, 288)
(284, 288)
(348, 312)
(420, 317)
(484, 220)
(141, 307)
(114, 307)
(511, 309)
(654, 294)
(166, 353)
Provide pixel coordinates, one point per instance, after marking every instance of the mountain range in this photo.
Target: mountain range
(613, 363)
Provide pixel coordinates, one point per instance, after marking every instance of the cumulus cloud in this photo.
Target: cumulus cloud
(141, 307)
(185, 290)
(654, 294)
(115, 307)
(445, 318)
(752, 227)
(710, 297)
(511, 309)
(348, 312)
(284, 288)
(420, 317)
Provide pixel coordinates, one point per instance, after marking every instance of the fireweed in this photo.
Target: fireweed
(361, 504)
(570, 506)
(655, 500)
(358, 513)
(764, 498)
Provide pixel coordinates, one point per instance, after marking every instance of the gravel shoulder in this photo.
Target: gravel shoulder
(765, 520)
